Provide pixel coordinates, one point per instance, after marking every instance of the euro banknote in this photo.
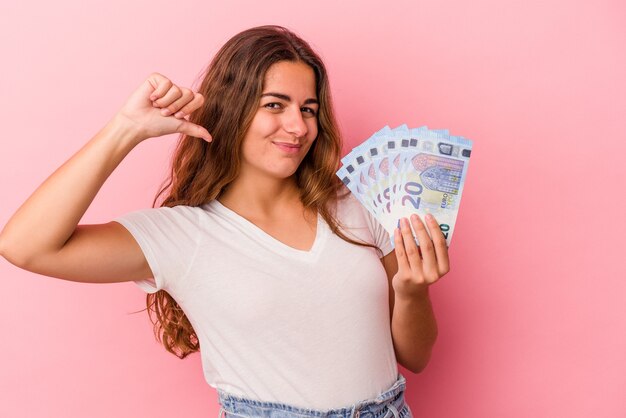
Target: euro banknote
(397, 172)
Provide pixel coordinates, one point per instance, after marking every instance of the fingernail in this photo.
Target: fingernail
(165, 112)
(179, 114)
(429, 217)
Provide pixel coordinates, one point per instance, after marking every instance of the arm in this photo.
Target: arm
(410, 271)
(413, 324)
(43, 235)
(47, 219)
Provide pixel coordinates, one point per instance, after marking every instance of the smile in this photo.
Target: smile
(288, 148)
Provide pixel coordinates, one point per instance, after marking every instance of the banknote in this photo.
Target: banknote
(401, 171)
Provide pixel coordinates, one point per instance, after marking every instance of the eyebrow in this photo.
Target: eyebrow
(288, 99)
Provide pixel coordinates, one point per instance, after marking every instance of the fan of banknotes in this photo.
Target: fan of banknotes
(401, 171)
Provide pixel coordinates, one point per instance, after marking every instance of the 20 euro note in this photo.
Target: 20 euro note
(402, 171)
(432, 181)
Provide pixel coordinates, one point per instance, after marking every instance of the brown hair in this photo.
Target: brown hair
(200, 170)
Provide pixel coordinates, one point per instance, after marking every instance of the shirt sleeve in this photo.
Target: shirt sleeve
(168, 238)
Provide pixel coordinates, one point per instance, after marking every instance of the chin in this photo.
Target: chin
(285, 174)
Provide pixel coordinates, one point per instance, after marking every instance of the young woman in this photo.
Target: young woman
(258, 257)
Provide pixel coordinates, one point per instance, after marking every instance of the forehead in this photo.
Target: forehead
(293, 77)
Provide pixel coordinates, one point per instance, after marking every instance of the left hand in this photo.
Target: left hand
(419, 267)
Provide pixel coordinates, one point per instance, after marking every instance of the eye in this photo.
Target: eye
(311, 111)
(273, 108)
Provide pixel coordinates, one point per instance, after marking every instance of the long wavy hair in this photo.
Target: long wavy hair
(200, 171)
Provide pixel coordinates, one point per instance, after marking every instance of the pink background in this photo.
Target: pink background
(531, 316)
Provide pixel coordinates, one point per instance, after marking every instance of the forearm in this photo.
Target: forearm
(414, 331)
(47, 219)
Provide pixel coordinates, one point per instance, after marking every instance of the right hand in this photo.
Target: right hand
(143, 109)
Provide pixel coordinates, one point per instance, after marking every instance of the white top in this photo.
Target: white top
(307, 328)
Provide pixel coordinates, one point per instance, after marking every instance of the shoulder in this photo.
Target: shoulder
(350, 212)
(173, 212)
(346, 199)
(356, 217)
(348, 206)
(164, 217)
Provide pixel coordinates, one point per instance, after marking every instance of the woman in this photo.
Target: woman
(258, 257)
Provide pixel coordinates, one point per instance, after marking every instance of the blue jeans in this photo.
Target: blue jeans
(388, 404)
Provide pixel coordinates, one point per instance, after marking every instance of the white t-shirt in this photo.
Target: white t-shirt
(274, 323)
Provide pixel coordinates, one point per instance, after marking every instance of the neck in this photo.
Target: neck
(261, 197)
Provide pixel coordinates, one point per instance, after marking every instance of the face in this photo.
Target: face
(285, 123)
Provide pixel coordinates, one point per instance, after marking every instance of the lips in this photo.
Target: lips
(288, 144)
(287, 147)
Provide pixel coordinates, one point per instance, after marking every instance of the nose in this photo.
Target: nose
(294, 123)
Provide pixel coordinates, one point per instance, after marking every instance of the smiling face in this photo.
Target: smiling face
(285, 124)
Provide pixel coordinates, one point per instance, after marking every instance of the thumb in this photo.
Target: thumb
(192, 129)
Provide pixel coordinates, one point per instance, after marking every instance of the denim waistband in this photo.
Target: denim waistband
(388, 404)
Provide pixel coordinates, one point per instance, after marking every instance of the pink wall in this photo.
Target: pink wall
(531, 316)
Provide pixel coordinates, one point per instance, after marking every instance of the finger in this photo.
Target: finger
(165, 102)
(186, 96)
(194, 104)
(441, 247)
(412, 252)
(162, 84)
(191, 129)
(426, 246)
(403, 263)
